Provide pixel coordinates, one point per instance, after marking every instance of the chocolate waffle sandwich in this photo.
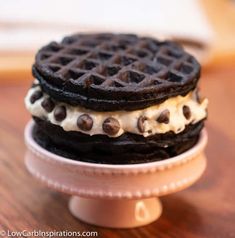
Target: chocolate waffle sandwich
(116, 98)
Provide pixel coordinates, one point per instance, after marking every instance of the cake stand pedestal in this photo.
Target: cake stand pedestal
(116, 196)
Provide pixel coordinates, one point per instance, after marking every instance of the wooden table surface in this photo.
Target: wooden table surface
(207, 209)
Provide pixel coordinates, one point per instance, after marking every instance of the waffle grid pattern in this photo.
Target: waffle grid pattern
(116, 61)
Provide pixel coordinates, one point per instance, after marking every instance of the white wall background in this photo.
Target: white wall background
(26, 24)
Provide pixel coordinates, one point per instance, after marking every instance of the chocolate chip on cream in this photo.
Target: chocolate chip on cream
(164, 117)
(60, 113)
(129, 121)
(35, 96)
(111, 126)
(186, 112)
(85, 122)
(140, 123)
(48, 104)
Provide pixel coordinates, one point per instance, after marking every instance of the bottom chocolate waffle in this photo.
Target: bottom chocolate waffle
(126, 149)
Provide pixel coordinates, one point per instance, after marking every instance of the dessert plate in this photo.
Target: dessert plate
(116, 196)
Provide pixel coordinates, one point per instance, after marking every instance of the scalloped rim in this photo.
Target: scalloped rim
(138, 194)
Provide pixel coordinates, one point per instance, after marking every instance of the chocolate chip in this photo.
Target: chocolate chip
(197, 95)
(60, 113)
(186, 112)
(48, 104)
(35, 96)
(140, 123)
(111, 126)
(164, 117)
(85, 122)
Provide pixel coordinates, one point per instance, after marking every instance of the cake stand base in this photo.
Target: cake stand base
(117, 196)
(116, 213)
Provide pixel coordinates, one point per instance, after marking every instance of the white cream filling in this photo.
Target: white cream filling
(128, 119)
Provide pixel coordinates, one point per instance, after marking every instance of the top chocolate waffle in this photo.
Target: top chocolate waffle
(107, 72)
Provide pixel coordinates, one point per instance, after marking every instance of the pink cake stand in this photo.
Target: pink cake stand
(117, 196)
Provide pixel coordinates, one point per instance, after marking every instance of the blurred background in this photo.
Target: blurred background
(206, 27)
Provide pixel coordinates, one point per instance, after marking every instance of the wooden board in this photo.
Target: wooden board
(206, 210)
